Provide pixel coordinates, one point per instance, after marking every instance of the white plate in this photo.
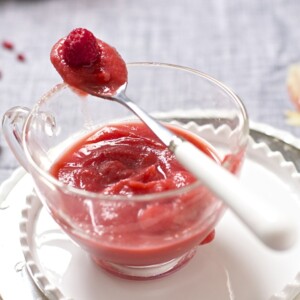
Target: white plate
(235, 266)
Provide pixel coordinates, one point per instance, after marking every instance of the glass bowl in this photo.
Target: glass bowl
(134, 236)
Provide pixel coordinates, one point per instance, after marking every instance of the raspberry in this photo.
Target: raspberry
(8, 45)
(21, 57)
(80, 48)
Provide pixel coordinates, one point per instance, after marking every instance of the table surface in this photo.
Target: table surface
(248, 45)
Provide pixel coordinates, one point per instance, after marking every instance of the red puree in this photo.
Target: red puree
(128, 159)
(125, 159)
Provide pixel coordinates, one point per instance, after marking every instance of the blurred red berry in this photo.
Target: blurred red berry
(8, 45)
(21, 57)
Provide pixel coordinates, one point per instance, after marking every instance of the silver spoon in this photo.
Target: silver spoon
(273, 227)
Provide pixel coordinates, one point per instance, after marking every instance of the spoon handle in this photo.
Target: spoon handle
(270, 224)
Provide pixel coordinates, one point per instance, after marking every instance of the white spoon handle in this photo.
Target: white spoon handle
(272, 226)
(268, 223)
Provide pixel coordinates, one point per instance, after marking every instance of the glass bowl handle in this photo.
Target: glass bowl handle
(12, 126)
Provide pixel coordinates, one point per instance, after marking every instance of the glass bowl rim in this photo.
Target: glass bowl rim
(143, 197)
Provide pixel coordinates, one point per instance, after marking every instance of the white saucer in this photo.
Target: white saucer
(235, 266)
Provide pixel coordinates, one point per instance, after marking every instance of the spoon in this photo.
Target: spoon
(269, 224)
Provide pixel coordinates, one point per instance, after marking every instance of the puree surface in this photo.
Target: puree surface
(128, 159)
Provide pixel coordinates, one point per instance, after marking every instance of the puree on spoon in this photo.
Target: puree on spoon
(88, 63)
